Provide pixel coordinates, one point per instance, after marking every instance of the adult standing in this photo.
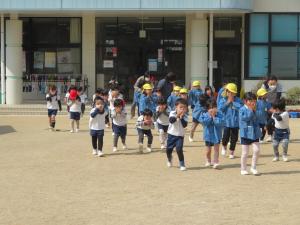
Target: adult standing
(165, 86)
(274, 90)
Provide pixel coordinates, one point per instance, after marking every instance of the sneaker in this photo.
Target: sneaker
(285, 158)
(124, 147)
(162, 147)
(95, 152)
(269, 138)
(191, 139)
(149, 149)
(106, 125)
(115, 149)
(208, 164)
(77, 130)
(71, 131)
(183, 168)
(223, 151)
(141, 148)
(169, 164)
(254, 172)
(113, 134)
(261, 141)
(100, 153)
(231, 156)
(216, 166)
(244, 172)
(275, 159)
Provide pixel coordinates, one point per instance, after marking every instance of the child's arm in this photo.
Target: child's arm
(223, 106)
(59, 105)
(205, 119)
(94, 112)
(184, 121)
(48, 98)
(218, 120)
(238, 104)
(277, 116)
(246, 115)
(113, 114)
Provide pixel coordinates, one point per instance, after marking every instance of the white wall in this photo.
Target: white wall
(276, 5)
(89, 50)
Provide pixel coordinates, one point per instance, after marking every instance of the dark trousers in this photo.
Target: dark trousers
(270, 125)
(263, 131)
(231, 134)
(148, 133)
(119, 131)
(98, 139)
(175, 142)
(82, 108)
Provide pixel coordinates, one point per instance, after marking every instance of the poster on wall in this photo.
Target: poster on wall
(50, 59)
(38, 60)
(108, 64)
(64, 57)
(152, 65)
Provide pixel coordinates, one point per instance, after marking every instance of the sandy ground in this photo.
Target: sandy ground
(52, 178)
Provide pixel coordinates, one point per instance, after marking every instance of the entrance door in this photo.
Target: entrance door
(227, 51)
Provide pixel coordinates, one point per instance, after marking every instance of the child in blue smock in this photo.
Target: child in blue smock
(262, 109)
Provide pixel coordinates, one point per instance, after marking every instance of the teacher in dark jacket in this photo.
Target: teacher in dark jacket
(165, 86)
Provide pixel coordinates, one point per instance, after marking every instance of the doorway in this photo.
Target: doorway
(227, 51)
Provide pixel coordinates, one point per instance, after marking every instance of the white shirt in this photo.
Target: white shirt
(75, 106)
(111, 100)
(284, 124)
(83, 98)
(140, 124)
(54, 102)
(176, 128)
(119, 119)
(98, 122)
(163, 118)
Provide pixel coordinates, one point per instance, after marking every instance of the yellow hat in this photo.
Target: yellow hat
(183, 91)
(147, 87)
(196, 83)
(176, 88)
(261, 92)
(231, 87)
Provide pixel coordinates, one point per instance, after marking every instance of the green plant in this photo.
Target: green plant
(293, 96)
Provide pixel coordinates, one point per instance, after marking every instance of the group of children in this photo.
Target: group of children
(224, 118)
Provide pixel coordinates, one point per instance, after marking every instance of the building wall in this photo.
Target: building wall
(276, 6)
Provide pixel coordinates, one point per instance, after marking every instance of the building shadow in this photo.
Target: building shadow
(6, 130)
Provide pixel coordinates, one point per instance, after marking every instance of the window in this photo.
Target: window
(284, 61)
(284, 28)
(258, 61)
(259, 28)
(273, 47)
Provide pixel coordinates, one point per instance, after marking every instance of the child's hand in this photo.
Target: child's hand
(100, 107)
(148, 122)
(118, 110)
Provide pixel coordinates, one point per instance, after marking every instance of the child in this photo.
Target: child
(83, 99)
(119, 123)
(194, 94)
(173, 97)
(183, 93)
(53, 105)
(208, 91)
(72, 87)
(250, 133)
(178, 121)
(262, 108)
(229, 107)
(112, 96)
(162, 115)
(148, 100)
(97, 93)
(96, 125)
(144, 125)
(200, 108)
(212, 135)
(104, 95)
(75, 109)
(282, 130)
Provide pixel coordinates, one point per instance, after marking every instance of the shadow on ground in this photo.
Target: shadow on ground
(6, 130)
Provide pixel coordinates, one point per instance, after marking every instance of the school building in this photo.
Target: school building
(86, 42)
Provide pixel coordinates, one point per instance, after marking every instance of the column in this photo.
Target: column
(14, 82)
(199, 49)
(211, 49)
(89, 51)
(2, 62)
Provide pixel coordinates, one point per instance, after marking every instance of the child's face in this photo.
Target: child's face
(163, 106)
(99, 104)
(115, 93)
(196, 87)
(52, 91)
(147, 117)
(251, 103)
(181, 108)
(230, 94)
(184, 96)
(176, 93)
(104, 97)
(208, 92)
(148, 92)
(118, 108)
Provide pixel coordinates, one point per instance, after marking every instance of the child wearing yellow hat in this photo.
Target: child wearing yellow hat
(230, 105)
(173, 97)
(262, 109)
